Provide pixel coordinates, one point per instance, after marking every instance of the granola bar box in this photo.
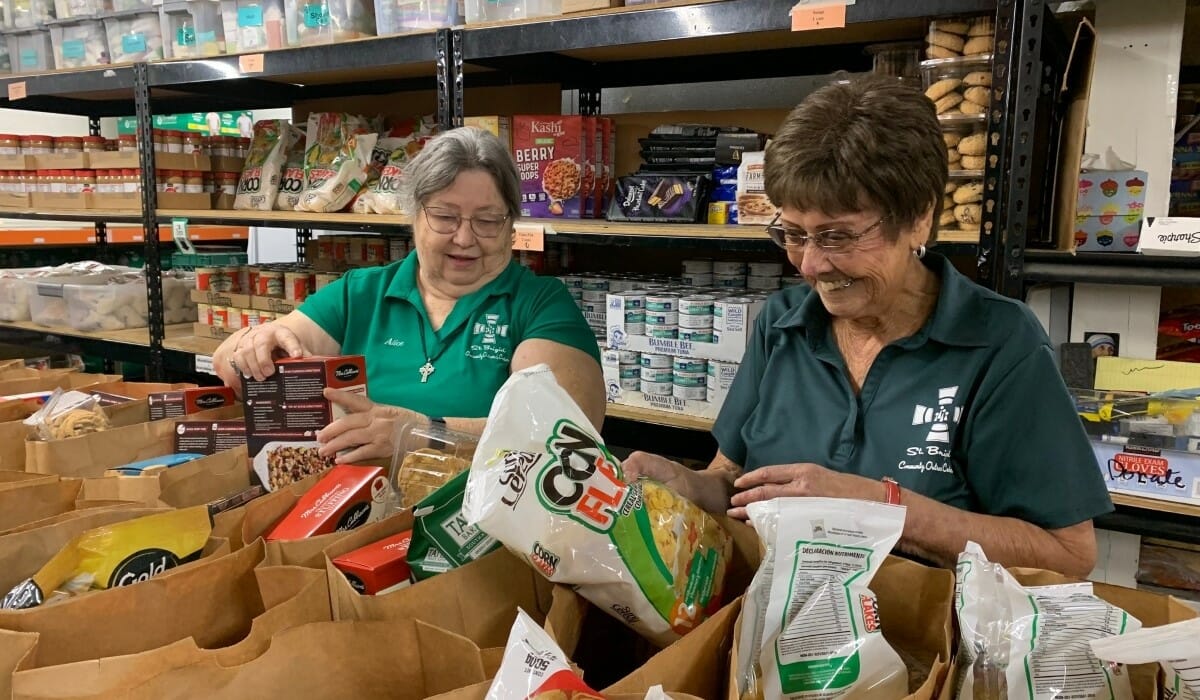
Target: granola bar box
(347, 497)
(185, 402)
(285, 412)
(551, 157)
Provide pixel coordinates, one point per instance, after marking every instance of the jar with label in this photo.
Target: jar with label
(173, 142)
(93, 144)
(174, 180)
(113, 182)
(57, 180)
(193, 144)
(210, 183)
(127, 143)
(243, 147)
(160, 140)
(227, 183)
(85, 180)
(131, 180)
(193, 182)
(68, 144)
(10, 145)
(37, 145)
(29, 180)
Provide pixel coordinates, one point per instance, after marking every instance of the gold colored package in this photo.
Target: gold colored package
(115, 555)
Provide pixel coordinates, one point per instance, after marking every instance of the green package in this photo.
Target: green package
(442, 540)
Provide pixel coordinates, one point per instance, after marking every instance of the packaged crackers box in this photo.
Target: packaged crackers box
(285, 411)
(501, 127)
(380, 567)
(184, 402)
(348, 497)
(549, 152)
(209, 437)
(754, 207)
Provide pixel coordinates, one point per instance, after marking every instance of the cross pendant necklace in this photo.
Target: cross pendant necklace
(427, 369)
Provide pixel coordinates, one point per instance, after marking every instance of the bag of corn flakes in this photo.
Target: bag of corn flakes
(543, 483)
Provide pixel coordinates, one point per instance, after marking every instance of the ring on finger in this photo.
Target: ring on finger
(233, 363)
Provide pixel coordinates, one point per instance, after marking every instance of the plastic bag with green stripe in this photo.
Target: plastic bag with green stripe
(544, 484)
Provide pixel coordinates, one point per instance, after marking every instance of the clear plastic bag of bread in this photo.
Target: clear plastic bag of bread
(68, 414)
(426, 457)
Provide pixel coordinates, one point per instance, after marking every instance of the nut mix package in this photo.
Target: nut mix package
(543, 483)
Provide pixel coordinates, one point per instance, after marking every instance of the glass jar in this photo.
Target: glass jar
(127, 143)
(174, 180)
(37, 145)
(10, 145)
(86, 180)
(68, 144)
(93, 144)
(132, 180)
(193, 144)
(243, 147)
(227, 183)
(193, 182)
(29, 181)
(174, 142)
(160, 140)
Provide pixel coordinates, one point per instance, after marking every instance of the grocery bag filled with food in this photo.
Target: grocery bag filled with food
(810, 622)
(403, 142)
(543, 483)
(1033, 642)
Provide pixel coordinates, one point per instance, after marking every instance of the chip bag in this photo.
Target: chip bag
(291, 185)
(442, 538)
(544, 484)
(1032, 643)
(534, 667)
(115, 555)
(336, 157)
(810, 623)
(1175, 647)
(406, 139)
(259, 185)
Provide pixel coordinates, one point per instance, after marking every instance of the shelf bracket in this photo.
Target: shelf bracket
(448, 46)
(153, 270)
(303, 236)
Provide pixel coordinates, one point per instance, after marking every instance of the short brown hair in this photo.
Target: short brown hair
(870, 143)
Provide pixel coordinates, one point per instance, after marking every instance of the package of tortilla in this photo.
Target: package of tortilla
(442, 538)
(118, 555)
(259, 184)
(336, 158)
(544, 484)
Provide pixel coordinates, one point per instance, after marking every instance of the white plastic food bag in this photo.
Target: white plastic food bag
(337, 153)
(543, 484)
(259, 184)
(534, 667)
(1033, 643)
(1176, 647)
(810, 623)
(291, 185)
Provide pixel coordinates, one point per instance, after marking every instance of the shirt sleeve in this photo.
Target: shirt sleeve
(553, 315)
(1028, 456)
(743, 396)
(327, 307)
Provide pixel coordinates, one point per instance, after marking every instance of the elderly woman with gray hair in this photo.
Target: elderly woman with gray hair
(442, 329)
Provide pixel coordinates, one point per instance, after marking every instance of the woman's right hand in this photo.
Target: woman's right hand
(253, 353)
(665, 471)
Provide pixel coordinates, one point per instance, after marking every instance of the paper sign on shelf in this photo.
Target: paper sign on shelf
(204, 363)
(251, 63)
(808, 15)
(16, 91)
(529, 237)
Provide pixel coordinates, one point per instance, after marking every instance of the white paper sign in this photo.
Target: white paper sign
(1170, 236)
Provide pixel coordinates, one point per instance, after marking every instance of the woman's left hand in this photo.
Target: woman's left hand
(804, 479)
(368, 427)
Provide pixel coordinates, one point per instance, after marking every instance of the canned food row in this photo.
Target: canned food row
(232, 317)
(363, 250)
(280, 281)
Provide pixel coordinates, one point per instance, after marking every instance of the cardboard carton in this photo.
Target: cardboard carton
(185, 402)
(347, 497)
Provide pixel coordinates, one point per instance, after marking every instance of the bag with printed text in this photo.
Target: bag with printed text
(291, 186)
(543, 483)
(259, 184)
(407, 139)
(1032, 643)
(336, 156)
(1176, 647)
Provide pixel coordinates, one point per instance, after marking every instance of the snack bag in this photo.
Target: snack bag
(259, 184)
(442, 538)
(67, 414)
(384, 194)
(117, 555)
(543, 483)
(337, 153)
(810, 623)
(1175, 647)
(534, 667)
(1029, 643)
(291, 186)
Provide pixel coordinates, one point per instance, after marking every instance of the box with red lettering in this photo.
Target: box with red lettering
(209, 437)
(185, 402)
(380, 567)
(551, 158)
(348, 496)
(285, 412)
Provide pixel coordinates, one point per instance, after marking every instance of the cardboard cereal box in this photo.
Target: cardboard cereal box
(551, 159)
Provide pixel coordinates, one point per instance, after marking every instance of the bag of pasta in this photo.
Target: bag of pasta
(291, 185)
(543, 483)
(337, 154)
(259, 184)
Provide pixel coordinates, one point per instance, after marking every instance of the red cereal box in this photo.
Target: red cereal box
(184, 402)
(591, 156)
(550, 157)
(347, 497)
(380, 567)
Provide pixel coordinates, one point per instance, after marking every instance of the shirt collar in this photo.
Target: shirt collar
(404, 283)
(958, 318)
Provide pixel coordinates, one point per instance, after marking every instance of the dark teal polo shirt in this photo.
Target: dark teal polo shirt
(970, 411)
(377, 312)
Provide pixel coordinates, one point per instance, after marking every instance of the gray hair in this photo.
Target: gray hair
(457, 150)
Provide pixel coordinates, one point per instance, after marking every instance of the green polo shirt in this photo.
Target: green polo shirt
(377, 312)
(970, 411)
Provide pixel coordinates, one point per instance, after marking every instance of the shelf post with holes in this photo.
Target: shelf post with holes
(153, 268)
(303, 236)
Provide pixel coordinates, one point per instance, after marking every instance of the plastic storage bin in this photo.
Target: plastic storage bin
(75, 9)
(399, 16)
(5, 59)
(313, 22)
(79, 43)
(966, 147)
(134, 36)
(27, 14)
(14, 293)
(112, 307)
(498, 10)
(30, 51)
(47, 306)
(254, 25)
(192, 28)
(425, 458)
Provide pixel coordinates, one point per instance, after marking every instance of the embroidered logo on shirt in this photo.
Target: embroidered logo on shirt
(489, 340)
(938, 423)
(394, 342)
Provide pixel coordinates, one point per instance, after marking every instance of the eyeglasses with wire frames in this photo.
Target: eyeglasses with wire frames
(447, 221)
(832, 241)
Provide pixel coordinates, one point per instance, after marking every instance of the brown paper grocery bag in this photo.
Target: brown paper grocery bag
(49, 380)
(136, 390)
(83, 509)
(15, 647)
(17, 479)
(195, 483)
(38, 500)
(90, 455)
(16, 410)
(12, 444)
(263, 513)
(291, 596)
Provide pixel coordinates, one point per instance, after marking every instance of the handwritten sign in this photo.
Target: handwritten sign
(806, 17)
(530, 237)
(16, 91)
(251, 63)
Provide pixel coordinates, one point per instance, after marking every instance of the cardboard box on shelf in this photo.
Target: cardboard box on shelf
(227, 164)
(201, 330)
(14, 200)
(569, 6)
(1076, 90)
(62, 200)
(185, 200)
(162, 161)
(243, 301)
(1108, 210)
(62, 161)
(1170, 236)
(8, 162)
(118, 200)
(184, 402)
(209, 437)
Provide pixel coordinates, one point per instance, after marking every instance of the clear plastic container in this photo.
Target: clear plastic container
(898, 59)
(425, 458)
(5, 58)
(313, 22)
(966, 147)
(30, 51)
(962, 207)
(79, 43)
(134, 36)
(499, 10)
(399, 16)
(27, 14)
(75, 9)
(255, 25)
(46, 303)
(959, 87)
(111, 307)
(14, 293)
(192, 28)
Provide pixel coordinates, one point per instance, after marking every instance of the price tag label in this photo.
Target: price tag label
(809, 17)
(204, 364)
(16, 91)
(251, 63)
(529, 237)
